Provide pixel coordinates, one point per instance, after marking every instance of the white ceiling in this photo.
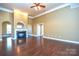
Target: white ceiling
(25, 7)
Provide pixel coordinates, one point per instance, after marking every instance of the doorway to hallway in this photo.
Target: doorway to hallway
(40, 29)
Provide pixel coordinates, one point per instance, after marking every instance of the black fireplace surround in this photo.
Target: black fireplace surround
(21, 34)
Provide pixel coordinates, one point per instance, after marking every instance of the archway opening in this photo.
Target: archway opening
(6, 29)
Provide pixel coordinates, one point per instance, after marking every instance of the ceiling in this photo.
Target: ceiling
(25, 7)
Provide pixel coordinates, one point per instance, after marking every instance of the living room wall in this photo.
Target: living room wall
(5, 17)
(61, 24)
(21, 17)
(13, 18)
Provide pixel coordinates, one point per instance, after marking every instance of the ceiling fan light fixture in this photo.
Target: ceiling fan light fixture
(37, 8)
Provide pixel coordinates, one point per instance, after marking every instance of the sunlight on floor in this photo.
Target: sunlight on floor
(9, 43)
(0, 39)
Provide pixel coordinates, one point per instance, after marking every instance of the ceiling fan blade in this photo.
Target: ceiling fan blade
(36, 4)
(42, 6)
(32, 6)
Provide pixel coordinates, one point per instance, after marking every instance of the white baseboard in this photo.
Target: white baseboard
(5, 35)
(33, 35)
(75, 42)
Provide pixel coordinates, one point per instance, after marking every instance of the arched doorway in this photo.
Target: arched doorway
(6, 35)
(6, 29)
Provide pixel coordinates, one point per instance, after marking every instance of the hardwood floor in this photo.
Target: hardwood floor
(37, 46)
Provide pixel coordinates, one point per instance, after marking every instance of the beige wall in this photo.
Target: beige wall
(13, 18)
(62, 23)
(5, 16)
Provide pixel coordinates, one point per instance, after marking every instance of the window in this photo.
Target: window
(9, 28)
(20, 25)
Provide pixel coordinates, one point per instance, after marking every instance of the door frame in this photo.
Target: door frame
(37, 33)
(4, 34)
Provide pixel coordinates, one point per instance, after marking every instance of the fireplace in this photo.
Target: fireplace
(21, 34)
(21, 37)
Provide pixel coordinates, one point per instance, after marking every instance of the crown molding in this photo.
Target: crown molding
(6, 10)
(31, 17)
(10, 11)
(54, 9)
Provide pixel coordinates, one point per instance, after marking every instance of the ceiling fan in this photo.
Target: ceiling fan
(38, 6)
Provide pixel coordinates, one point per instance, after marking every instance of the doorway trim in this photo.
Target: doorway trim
(5, 22)
(37, 29)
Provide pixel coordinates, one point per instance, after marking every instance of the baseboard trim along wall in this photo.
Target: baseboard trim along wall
(33, 35)
(74, 42)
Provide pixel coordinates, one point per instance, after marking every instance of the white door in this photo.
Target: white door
(40, 29)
